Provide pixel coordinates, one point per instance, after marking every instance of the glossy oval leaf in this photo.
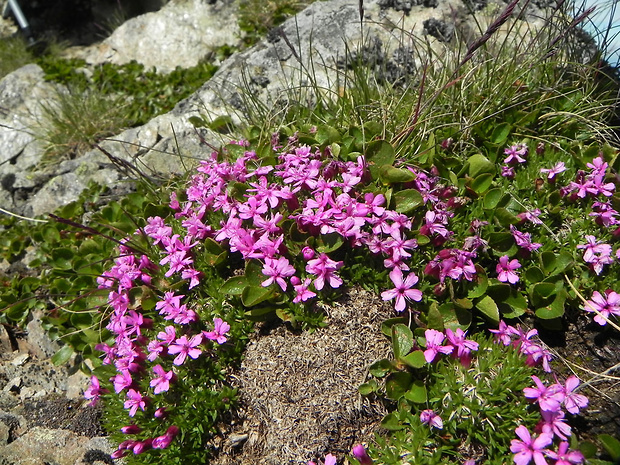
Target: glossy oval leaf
(407, 200)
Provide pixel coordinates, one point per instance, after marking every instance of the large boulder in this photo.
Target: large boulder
(182, 33)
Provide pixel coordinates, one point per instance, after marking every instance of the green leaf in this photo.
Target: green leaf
(434, 319)
(555, 309)
(481, 284)
(544, 290)
(505, 218)
(500, 133)
(402, 340)
(417, 392)
(381, 368)
(253, 295)
(415, 359)
(327, 135)
(254, 272)
(329, 242)
(455, 317)
(588, 449)
(391, 422)
(479, 164)
(386, 326)
(379, 153)
(492, 198)
(611, 445)
(501, 241)
(391, 174)
(534, 275)
(222, 124)
(407, 200)
(488, 307)
(61, 258)
(482, 183)
(260, 313)
(367, 388)
(235, 285)
(63, 355)
(397, 384)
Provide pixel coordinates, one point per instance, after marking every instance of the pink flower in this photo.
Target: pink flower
(462, 346)
(516, 154)
(325, 268)
(564, 456)
(553, 423)
(219, 332)
(94, 391)
(184, 347)
(434, 341)
(429, 417)
(277, 270)
(505, 269)
(603, 305)
(162, 382)
(529, 448)
(359, 452)
(135, 400)
(573, 401)
(504, 333)
(548, 398)
(558, 168)
(402, 289)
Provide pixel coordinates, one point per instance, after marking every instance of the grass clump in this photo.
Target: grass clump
(14, 53)
(75, 120)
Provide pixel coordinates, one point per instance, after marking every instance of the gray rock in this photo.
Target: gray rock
(182, 33)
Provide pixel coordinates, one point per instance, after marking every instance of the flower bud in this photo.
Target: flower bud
(307, 253)
(359, 452)
(131, 429)
(160, 412)
(142, 446)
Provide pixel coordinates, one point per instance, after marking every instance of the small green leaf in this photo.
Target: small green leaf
(534, 275)
(379, 153)
(254, 272)
(479, 164)
(63, 355)
(391, 422)
(488, 307)
(367, 388)
(397, 384)
(434, 319)
(391, 174)
(588, 449)
(481, 284)
(555, 309)
(482, 183)
(415, 359)
(402, 340)
(253, 295)
(500, 133)
(407, 200)
(234, 285)
(417, 393)
(61, 258)
(260, 313)
(386, 326)
(222, 124)
(505, 218)
(611, 445)
(329, 242)
(492, 198)
(501, 241)
(327, 135)
(544, 289)
(381, 368)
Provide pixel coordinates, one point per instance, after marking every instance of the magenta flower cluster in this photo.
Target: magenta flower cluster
(132, 351)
